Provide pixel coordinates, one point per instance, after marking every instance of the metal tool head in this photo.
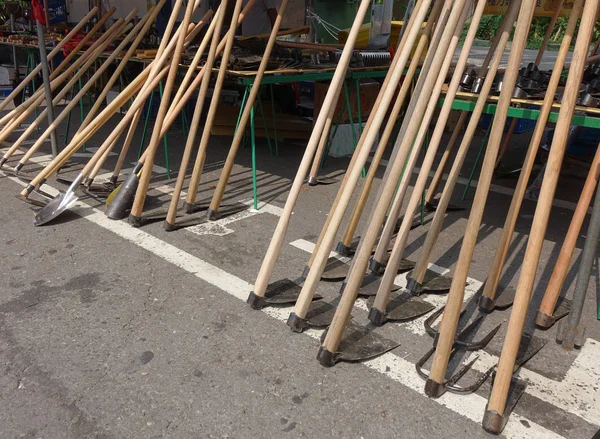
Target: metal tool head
(494, 422)
(503, 300)
(335, 270)
(544, 321)
(461, 341)
(347, 250)
(121, 199)
(281, 292)
(401, 308)
(58, 205)
(359, 343)
(433, 283)
(370, 286)
(320, 313)
(435, 389)
(570, 337)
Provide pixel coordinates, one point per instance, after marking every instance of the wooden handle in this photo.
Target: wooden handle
(548, 35)
(140, 196)
(566, 252)
(440, 212)
(445, 160)
(212, 110)
(385, 288)
(260, 286)
(237, 140)
(493, 278)
(439, 9)
(361, 258)
(516, 323)
(206, 73)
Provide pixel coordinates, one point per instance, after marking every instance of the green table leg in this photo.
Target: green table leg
(274, 120)
(359, 116)
(237, 124)
(80, 85)
(253, 141)
(68, 128)
(262, 113)
(165, 143)
(148, 109)
(33, 90)
(481, 149)
(328, 146)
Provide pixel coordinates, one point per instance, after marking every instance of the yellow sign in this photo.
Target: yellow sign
(544, 8)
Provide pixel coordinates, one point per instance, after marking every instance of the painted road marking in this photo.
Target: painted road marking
(577, 393)
(398, 369)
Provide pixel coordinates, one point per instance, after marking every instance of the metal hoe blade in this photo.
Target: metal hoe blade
(432, 283)
(459, 341)
(403, 308)
(358, 343)
(281, 292)
(494, 422)
(502, 301)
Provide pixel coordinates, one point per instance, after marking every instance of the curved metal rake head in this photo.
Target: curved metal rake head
(435, 389)
(459, 341)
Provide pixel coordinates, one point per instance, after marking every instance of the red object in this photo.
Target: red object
(38, 11)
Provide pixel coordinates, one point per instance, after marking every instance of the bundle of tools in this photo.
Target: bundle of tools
(432, 33)
(374, 265)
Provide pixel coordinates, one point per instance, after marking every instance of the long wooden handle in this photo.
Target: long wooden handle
(229, 162)
(385, 288)
(439, 9)
(360, 261)
(561, 267)
(440, 212)
(491, 284)
(445, 160)
(454, 302)
(260, 286)
(383, 142)
(548, 35)
(516, 323)
(140, 197)
(214, 36)
(212, 110)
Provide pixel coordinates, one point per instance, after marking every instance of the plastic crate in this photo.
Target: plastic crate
(523, 125)
(5, 91)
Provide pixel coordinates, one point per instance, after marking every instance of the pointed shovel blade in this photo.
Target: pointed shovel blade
(55, 207)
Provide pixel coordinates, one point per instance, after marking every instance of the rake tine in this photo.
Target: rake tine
(476, 385)
(461, 373)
